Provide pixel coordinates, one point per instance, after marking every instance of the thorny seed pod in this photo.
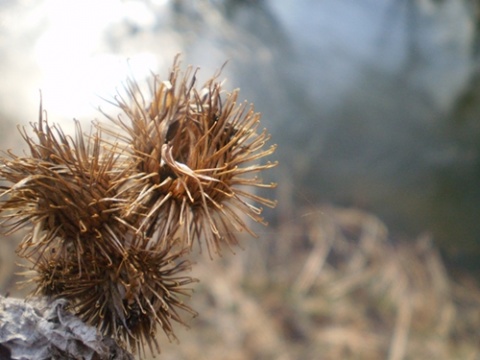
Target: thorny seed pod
(195, 151)
(67, 191)
(127, 301)
(112, 220)
(70, 191)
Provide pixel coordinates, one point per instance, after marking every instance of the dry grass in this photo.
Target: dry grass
(331, 285)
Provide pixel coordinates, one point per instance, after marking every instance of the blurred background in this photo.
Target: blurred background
(373, 251)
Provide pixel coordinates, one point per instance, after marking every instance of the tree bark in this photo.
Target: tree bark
(36, 329)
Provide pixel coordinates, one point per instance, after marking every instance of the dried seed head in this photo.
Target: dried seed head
(70, 191)
(111, 220)
(126, 301)
(67, 190)
(196, 151)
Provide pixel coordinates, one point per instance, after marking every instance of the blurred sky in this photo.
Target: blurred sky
(73, 50)
(356, 93)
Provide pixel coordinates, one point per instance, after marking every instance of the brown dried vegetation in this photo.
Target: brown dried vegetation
(112, 218)
(333, 283)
